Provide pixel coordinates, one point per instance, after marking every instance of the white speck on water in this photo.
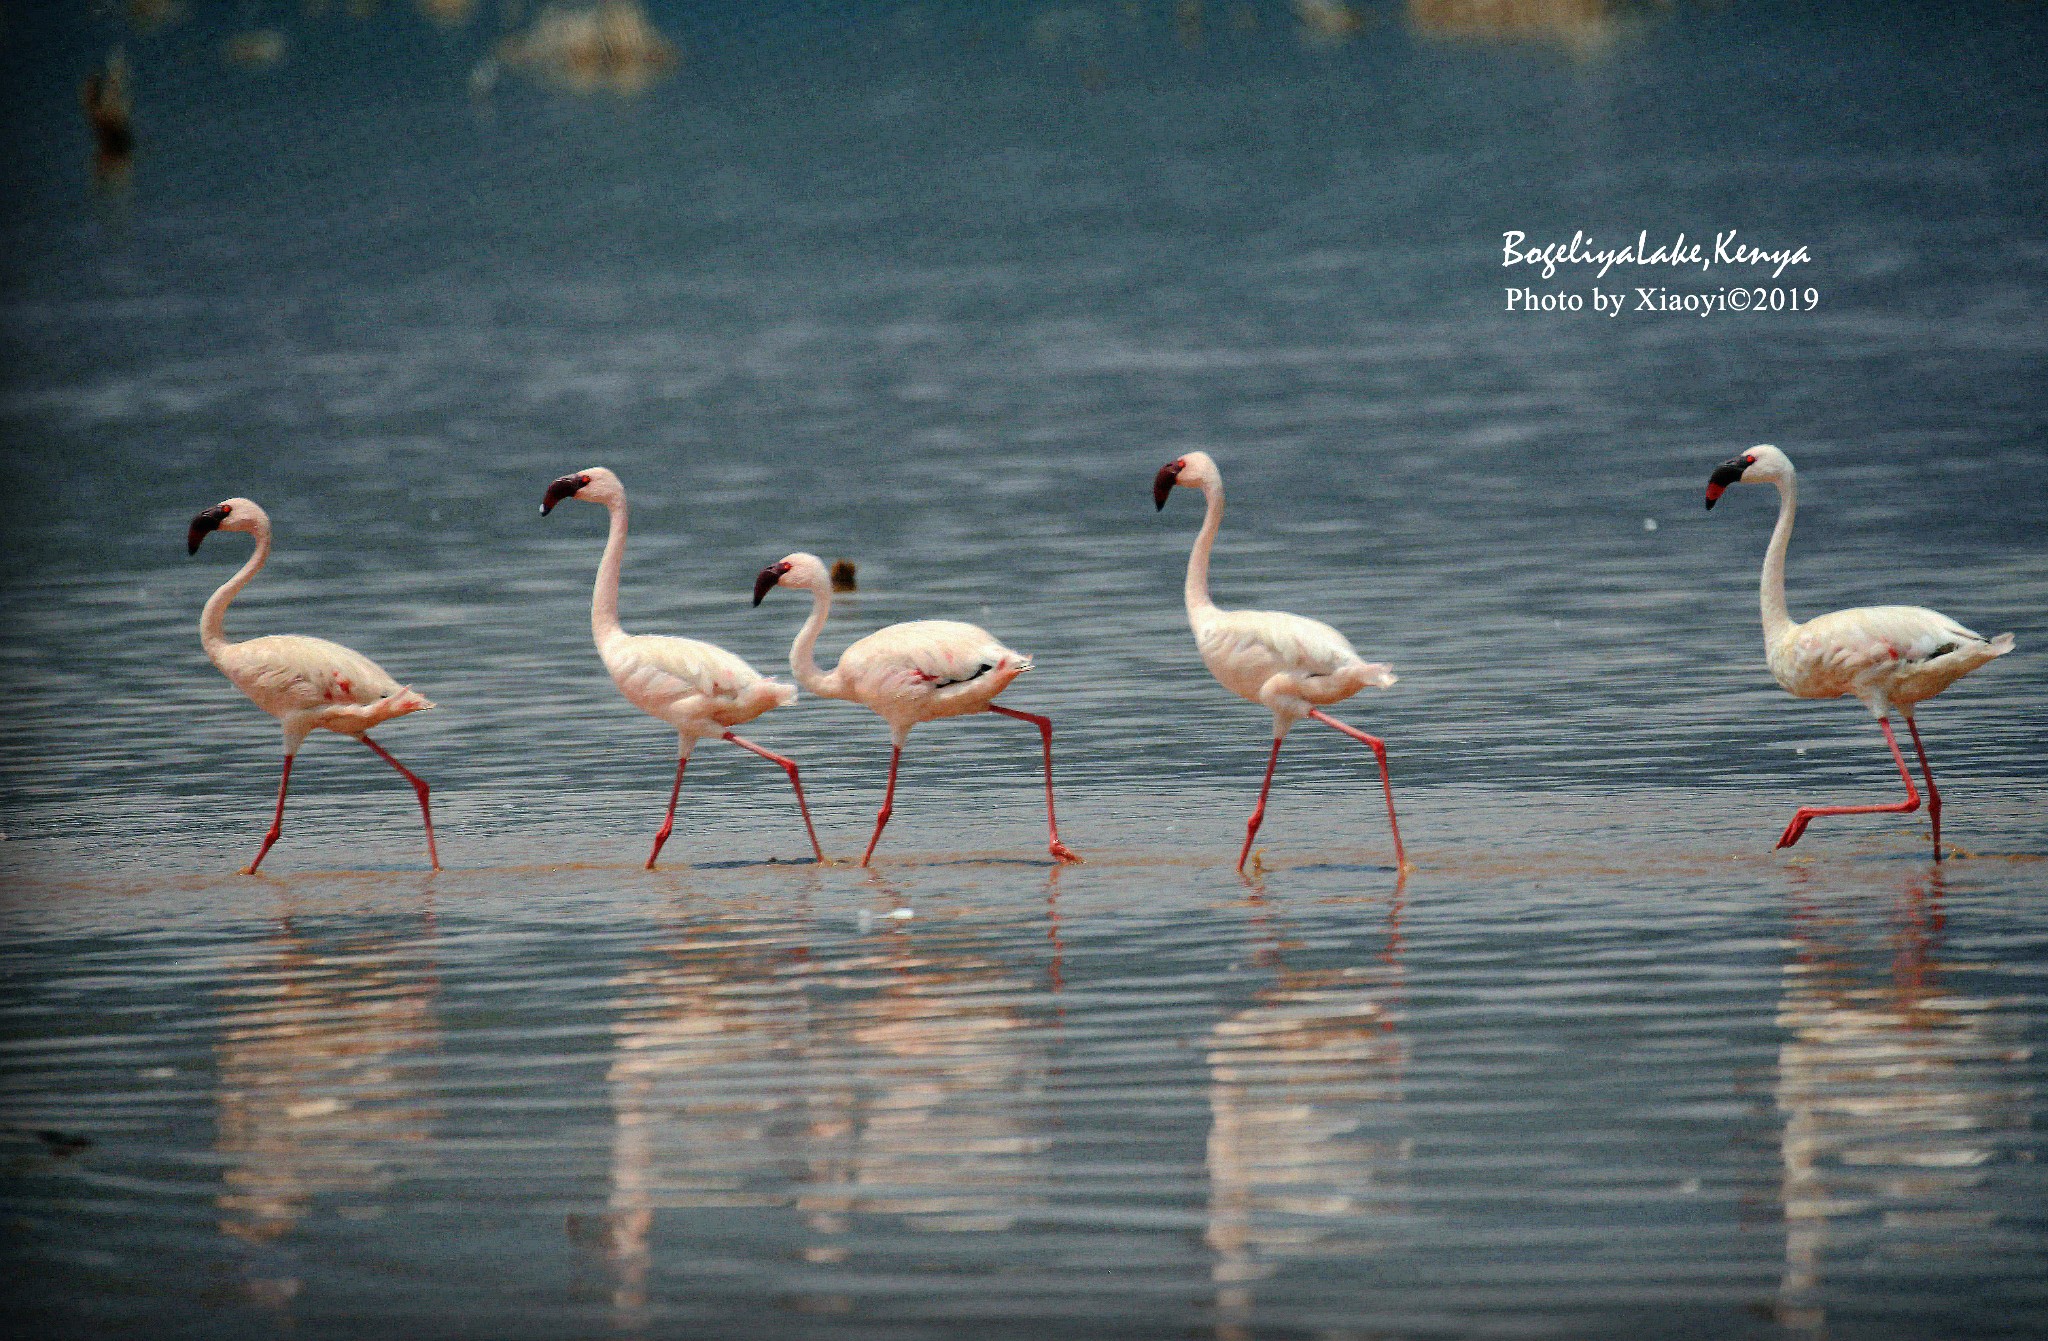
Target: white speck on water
(159, 1072)
(1649, 523)
(1689, 1186)
(1799, 749)
(901, 914)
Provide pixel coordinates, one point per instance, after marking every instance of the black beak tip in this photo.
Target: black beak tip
(1162, 487)
(765, 582)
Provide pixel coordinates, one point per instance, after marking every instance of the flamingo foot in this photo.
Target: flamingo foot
(1063, 854)
(1794, 829)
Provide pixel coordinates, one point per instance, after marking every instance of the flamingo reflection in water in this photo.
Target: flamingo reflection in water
(323, 1067)
(892, 1078)
(1305, 1098)
(1901, 1096)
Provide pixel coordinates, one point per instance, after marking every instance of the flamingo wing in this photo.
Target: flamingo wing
(1282, 641)
(286, 673)
(926, 656)
(669, 670)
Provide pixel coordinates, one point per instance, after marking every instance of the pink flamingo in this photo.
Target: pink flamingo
(698, 689)
(308, 684)
(1290, 665)
(1886, 656)
(906, 674)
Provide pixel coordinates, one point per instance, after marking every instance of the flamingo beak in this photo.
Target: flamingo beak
(1162, 485)
(769, 578)
(203, 525)
(562, 488)
(1725, 474)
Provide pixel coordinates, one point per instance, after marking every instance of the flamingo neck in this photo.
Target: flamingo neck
(1771, 589)
(604, 600)
(213, 634)
(1198, 560)
(803, 662)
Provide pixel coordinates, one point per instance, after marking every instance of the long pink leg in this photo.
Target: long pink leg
(668, 822)
(1933, 796)
(888, 803)
(1911, 803)
(276, 821)
(1044, 724)
(419, 789)
(789, 767)
(1251, 826)
(1379, 752)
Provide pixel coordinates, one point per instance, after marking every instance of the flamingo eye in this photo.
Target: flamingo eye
(1749, 460)
(582, 481)
(225, 509)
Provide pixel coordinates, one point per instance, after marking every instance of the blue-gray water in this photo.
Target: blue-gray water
(938, 289)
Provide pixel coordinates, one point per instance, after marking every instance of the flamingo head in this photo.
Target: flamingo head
(595, 485)
(1195, 471)
(235, 514)
(798, 570)
(1761, 464)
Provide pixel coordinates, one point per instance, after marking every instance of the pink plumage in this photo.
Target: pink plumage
(308, 684)
(908, 673)
(1885, 656)
(1293, 667)
(698, 689)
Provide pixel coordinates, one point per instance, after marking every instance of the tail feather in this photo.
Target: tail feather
(1370, 675)
(2001, 644)
(354, 718)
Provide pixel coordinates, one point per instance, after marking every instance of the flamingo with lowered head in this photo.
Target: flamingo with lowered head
(907, 673)
(698, 689)
(1293, 666)
(308, 684)
(1886, 656)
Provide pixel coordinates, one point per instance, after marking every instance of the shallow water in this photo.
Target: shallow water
(939, 294)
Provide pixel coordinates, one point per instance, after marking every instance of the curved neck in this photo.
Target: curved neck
(803, 662)
(604, 601)
(213, 634)
(1198, 560)
(1772, 588)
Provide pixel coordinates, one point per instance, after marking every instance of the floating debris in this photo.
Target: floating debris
(844, 576)
(258, 50)
(1327, 20)
(107, 110)
(1582, 25)
(609, 47)
(448, 13)
(63, 1145)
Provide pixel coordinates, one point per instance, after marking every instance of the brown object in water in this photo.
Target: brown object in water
(107, 109)
(844, 575)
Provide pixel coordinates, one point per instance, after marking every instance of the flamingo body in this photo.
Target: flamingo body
(917, 671)
(307, 684)
(925, 669)
(1286, 662)
(1896, 654)
(1293, 666)
(1885, 656)
(699, 689)
(311, 684)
